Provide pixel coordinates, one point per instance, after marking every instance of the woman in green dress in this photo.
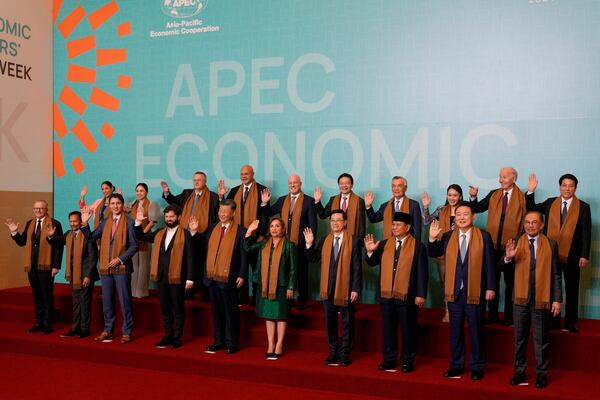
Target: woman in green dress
(275, 276)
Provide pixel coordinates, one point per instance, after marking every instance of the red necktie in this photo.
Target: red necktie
(114, 226)
(344, 204)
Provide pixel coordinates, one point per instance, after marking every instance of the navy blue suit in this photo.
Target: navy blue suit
(459, 309)
(308, 219)
(413, 209)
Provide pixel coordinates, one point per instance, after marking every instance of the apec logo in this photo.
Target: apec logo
(183, 8)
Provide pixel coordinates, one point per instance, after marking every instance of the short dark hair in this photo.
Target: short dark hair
(200, 173)
(78, 213)
(116, 196)
(346, 175)
(142, 184)
(109, 184)
(465, 204)
(339, 211)
(534, 212)
(568, 176)
(455, 187)
(228, 203)
(174, 208)
(276, 218)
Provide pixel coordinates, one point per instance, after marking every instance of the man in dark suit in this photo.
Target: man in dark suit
(42, 262)
(569, 223)
(340, 286)
(81, 272)
(506, 209)
(226, 271)
(538, 294)
(298, 210)
(401, 290)
(347, 201)
(470, 280)
(398, 203)
(250, 206)
(203, 204)
(172, 269)
(118, 243)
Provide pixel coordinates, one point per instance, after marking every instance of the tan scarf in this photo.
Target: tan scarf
(118, 247)
(296, 215)
(44, 249)
(106, 215)
(200, 212)
(175, 259)
(398, 289)
(515, 211)
(563, 236)
(444, 218)
(351, 212)
(249, 206)
(269, 280)
(543, 270)
(475, 250)
(143, 246)
(218, 257)
(388, 215)
(76, 249)
(344, 264)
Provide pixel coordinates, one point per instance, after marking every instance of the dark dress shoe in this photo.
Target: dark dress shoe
(277, 355)
(387, 366)
(508, 322)
(541, 381)
(164, 343)
(492, 319)
(333, 359)
(270, 355)
(47, 330)
(345, 361)
(571, 329)
(453, 373)
(176, 343)
(70, 333)
(84, 334)
(231, 350)
(407, 367)
(213, 348)
(34, 329)
(477, 375)
(517, 379)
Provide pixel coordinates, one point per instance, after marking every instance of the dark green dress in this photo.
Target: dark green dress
(278, 309)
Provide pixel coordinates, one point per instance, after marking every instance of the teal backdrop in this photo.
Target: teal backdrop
(437, 91)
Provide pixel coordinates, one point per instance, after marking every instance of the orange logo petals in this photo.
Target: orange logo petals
(84, 135)
(77, 47)
(59, 165)
(110, 56)
(103, 99)
(77, 73)
(72, 100)
(103, 14)
(59, 123)
(70, 22)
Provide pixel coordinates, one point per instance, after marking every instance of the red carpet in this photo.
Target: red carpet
(573, 375)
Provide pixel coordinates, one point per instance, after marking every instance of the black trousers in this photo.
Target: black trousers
(82, 308)
(337, 347)
(509, 284)
(524, 317)
(302, 275)
(172, 307)
(42, 288)
(571, 273)
(226, 316)
(393, 314)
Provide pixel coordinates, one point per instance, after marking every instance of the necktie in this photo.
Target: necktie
(114, 226)
(221, 238)
(397, 206)
(344, 204)
(397, 253)
(532, 269)
(563, 214)
(195, 203)
(38, 230)
(504, 203)
(73, 237)
(463, 247)
(336, 248)
(292, 204)
(246, 189)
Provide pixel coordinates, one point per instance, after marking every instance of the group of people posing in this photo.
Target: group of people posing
(231, 240)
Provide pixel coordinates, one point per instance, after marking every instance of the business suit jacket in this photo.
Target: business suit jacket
(488, 276)
(555, 275)
(261, 212)
(131, 243)
(415, 215)
(325, 212)
(308, 217)
(582, 237)
(56, 251)
(419, 273)
(480, 206)
(90, 255)
(314, 255)
(238, 268)
(164, 257)
(181, 199)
